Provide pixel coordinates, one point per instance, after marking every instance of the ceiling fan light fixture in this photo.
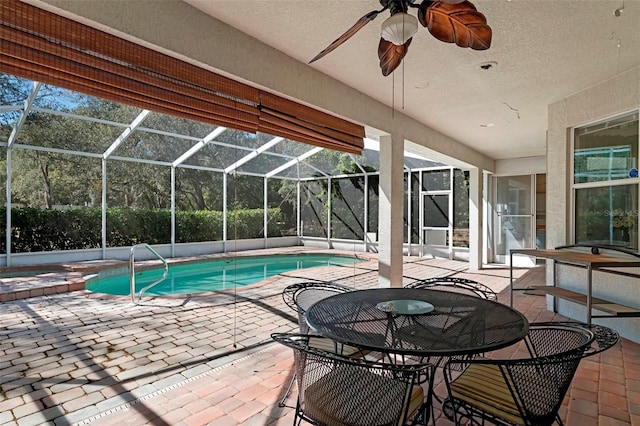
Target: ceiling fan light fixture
(399, 28)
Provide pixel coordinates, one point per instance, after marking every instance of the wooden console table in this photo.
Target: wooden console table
(590, 262)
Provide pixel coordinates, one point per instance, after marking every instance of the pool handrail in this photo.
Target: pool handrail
(132, 276)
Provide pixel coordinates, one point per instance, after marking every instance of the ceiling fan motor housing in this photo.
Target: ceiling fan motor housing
(396, 6)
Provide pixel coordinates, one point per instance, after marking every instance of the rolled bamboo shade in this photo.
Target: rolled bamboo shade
(43, 46)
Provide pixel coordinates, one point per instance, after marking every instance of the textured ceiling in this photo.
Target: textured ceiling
(544, 49)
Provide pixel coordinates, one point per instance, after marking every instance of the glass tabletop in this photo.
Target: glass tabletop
(405, 307)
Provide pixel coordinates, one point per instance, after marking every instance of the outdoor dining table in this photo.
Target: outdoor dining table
(417, 322)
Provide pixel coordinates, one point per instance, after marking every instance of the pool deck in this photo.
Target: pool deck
(74, 357)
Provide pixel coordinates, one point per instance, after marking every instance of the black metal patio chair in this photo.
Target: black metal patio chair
(603, 337)
(299, 297)
(456, 284)
(525, 391)
(339, 390)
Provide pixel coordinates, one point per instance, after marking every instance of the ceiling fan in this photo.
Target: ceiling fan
(451, 21)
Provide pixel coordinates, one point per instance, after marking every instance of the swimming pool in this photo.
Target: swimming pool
(215, 275)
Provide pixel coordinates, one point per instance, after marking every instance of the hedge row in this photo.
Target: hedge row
(34, 229)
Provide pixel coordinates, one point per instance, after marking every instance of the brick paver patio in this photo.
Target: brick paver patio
(82, 358)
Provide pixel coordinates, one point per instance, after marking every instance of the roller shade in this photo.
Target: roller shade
(295, 121)
(43, 46)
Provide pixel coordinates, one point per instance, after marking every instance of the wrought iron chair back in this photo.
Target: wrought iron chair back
(526, 391)
(603, 337)
(340, 390)
(301, 296)
(456, 284)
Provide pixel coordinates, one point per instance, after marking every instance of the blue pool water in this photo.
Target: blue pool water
(214, 275)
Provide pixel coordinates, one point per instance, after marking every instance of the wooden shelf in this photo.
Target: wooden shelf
(613, 309)
(610, 260)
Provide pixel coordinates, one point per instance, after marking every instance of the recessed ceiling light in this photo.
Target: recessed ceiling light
(487, 125)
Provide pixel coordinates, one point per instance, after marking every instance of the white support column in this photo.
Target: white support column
(103, 208)
(329, 207)
(225, 211)
(476, 203)
(450, 210)
(299, 224)
(365, 225)
(390, 219)
(487, 220)
(265, 207)
(409, 212)
(8, 206)
(173, 211)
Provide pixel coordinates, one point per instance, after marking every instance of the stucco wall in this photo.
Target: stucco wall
(616, 96)
(521, 166)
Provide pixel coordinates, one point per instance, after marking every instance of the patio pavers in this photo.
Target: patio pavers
(79, 358)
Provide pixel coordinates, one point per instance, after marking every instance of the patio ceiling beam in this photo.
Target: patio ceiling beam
(335, 177)
(125, 133)
(244, 148)
(273, 142)
(322, 172)
(203, 168)
(216, 170)
(28, 104)
(81, 117)
(231, 145)
(57, 150)
(197, 147)
(10, 108)
(142, 161)
(295, 161)
(169, 134)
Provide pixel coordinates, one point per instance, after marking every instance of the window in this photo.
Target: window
(605, 182)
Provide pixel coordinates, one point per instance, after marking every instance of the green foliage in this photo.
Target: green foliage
(249, 223)
(203, 225)
(36, 229)
(347, 208)
(46, 230)
(133, 226)
(336, 163)
(313, 204)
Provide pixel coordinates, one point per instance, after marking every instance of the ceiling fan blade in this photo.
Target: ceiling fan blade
(349, 33)
(391, 55)
(459, 23)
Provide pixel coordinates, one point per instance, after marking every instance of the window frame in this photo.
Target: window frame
(574, 187)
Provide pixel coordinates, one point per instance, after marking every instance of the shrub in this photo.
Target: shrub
(34, 229)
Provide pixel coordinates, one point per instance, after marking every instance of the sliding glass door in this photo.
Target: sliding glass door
(515, 224)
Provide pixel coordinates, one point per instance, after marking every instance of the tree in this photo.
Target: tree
(43, 178)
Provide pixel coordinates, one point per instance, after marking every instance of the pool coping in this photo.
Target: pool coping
(71, 277)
